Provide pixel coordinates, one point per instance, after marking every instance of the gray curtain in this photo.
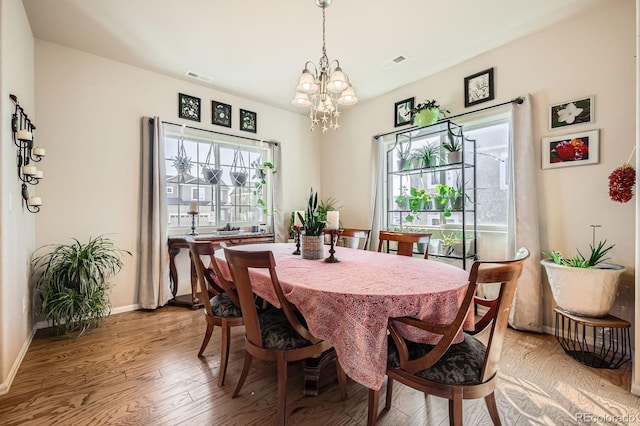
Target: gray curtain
(376, 192)
(526, 312)
(280, 234)
(153, 270)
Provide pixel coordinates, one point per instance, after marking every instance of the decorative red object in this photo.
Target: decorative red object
(621, 182)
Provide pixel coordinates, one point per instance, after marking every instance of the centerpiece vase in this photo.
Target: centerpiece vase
(312, 247)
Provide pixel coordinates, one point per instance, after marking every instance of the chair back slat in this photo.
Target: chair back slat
(356, 238)
(197, 249)
(405, 241)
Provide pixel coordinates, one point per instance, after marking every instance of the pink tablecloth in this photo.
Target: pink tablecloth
(349, 303)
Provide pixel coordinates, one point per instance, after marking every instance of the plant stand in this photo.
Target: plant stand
(596, 342)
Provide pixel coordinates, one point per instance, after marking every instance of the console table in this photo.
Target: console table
(178, 242)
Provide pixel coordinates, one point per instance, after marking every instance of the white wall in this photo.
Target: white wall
(89, 111)
(17, 225)
(592, 54)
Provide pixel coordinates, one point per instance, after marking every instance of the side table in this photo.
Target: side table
(596, 342)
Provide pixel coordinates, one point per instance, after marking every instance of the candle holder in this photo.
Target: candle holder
(193, 223)
(297, 228)
(336, 233)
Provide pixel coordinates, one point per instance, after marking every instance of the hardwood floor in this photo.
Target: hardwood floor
(141, 368)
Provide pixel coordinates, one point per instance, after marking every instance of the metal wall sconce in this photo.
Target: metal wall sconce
(28, 173)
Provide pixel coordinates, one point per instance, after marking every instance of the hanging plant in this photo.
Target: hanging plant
(261, 169)
(238, 169)
(181, 162)
(209, 172)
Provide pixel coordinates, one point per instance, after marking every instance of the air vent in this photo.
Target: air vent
(393, 62)
(198, 76)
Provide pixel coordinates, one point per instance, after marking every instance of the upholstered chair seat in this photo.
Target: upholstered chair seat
(223, 306)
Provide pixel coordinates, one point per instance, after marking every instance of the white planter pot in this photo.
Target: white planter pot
(588, 292)
(454, 157)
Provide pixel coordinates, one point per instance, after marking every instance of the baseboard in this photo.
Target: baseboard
(635, 389)
(118, 310)
(548, 330)
(4, 386)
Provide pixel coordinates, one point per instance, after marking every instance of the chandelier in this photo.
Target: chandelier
(324, 89)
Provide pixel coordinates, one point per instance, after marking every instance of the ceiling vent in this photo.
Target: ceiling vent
(393, 62)
(198, 76)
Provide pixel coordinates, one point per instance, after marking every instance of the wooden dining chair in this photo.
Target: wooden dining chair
(277, 335)
(465, 370)
(223, 309)
(405, 241)
(355, 238)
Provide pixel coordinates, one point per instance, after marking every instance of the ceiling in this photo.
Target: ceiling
(257, 49)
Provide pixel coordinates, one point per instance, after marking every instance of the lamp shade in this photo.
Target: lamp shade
(348, 97)
(307, 83)
(301, 100)
(338, 82)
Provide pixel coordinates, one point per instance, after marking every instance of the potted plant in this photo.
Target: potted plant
(441, 198)
(261, 170)
(448, 241)
(453, 146)
(73, 282)
(426, 155)
(404, 156)
(312, 243)
(583, 286)
(427, 113)
(458, 247)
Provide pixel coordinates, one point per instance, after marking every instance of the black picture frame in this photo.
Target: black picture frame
(220, 114)
(478, 88)
(188, 107)
(248, 121)
(402, 112)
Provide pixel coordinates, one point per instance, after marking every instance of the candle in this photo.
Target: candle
(333, 219)
(296, 218)
(40, 152)
(34, 201)
(25, 135)
(193, 207)
(39, 174)
(29, 170)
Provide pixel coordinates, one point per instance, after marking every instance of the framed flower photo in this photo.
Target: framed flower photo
(248, 121)
(402, 112)
(188, 107)
(578, 111)
(220, 114)
(478, 88)
(575, 149)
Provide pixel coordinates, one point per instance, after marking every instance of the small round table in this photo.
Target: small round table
(596, 342)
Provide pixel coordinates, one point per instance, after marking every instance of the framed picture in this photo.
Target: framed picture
(578, 111)
(248, 121)
(478, 88)
(402, 112)
(220, 114)
(576, 149)
(188, 107)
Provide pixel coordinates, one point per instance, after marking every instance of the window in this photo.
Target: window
(217, 171)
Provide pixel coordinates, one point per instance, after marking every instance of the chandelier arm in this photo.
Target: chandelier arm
(315, 69)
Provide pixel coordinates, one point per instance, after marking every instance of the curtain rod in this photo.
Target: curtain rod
(221, 133)
(518, 100)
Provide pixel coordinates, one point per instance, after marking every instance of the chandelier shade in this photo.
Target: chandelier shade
(324, 88)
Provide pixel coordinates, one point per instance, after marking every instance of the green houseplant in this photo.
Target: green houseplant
(73, 282)
(453, 146)
(261, 170)
(583, 285)
(427, 113)
(312, 242)
(426, 155)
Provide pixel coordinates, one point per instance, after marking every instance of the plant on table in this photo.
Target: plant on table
(312, 222)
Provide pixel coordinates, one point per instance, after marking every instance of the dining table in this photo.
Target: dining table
(349, 303)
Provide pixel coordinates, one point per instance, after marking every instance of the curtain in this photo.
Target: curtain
(280, 234)
(376, 193)
(526, 312)
(153, 270)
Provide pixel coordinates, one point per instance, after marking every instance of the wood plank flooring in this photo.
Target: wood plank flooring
(141, 368)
